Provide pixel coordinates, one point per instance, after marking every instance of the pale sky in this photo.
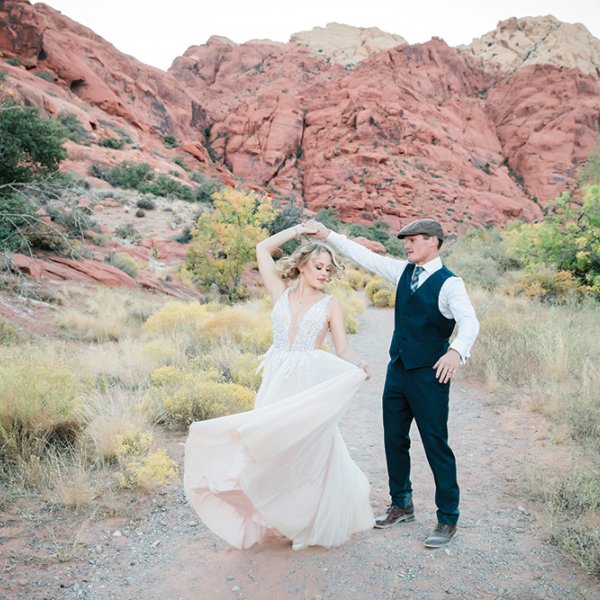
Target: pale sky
(156, 32)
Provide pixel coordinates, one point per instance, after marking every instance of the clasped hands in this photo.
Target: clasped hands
(447, 365)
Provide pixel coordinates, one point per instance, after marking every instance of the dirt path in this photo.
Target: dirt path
(500, 552)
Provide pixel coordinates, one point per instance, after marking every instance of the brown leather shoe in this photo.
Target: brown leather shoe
(441, 535)
(394, 515)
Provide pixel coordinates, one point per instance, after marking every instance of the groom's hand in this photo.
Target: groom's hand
(447, 365)
(315, 230)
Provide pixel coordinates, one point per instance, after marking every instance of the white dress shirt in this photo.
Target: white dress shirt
(454, 302)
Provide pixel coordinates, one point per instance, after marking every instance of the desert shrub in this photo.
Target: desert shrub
(287, 216)
(574, 505)
(548, 285)
(112, 142)
(103, 315)
(568, 239)
(46, 76)
(224, 240)
(176, 398)
(244, 371)
(31, 147)
(243, 325)
(384, 298)
(2, 75)
(13, 61)
(125, 262)
(590, 172)
(375, 285)
(327, 216)
(9, 334)
(352, 305)
(146, 203)
(356, 278)
(127, 232)
(178, 317)
(170, 141)
(206, 188)
(74, 130)
(126, 174)
(378, 232)
(39, 401)
(149, 472)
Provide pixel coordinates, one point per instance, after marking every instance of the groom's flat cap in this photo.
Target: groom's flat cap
(423, 226)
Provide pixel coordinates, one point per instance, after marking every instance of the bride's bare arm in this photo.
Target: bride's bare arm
(266, 264)
(337, 327)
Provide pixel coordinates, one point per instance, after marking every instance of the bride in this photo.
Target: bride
(283, 465)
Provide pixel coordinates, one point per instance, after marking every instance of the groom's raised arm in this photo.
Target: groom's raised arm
(386, 266)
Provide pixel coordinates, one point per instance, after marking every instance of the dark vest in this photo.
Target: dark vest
(421, 331)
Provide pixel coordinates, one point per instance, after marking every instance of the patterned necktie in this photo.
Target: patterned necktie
(414, 280)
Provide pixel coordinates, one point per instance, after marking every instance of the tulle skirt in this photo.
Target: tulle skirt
(284, 465)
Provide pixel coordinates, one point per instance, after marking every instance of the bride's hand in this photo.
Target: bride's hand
(315, 229)
(365, 367)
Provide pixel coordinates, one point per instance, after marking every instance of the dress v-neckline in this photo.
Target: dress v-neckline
(300, 319)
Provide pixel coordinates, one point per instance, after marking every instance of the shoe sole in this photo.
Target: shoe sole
(438, 545)
(408, 519)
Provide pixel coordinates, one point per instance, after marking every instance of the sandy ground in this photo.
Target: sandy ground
(161, 550)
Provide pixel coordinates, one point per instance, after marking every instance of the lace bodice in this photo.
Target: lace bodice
(310, 324)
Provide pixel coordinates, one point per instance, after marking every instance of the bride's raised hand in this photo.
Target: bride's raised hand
(315, 229)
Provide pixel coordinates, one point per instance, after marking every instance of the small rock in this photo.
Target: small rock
(230, 577)
(523, 511)
(236, 589)
(520, 529)
(98, 549)
(117, 534)
(156, 543)
(193, 524)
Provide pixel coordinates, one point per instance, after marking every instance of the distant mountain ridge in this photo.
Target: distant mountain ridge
(340, 117)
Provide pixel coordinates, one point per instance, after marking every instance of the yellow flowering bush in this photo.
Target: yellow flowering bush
(384, 298)
(178, 316)
(148, 472)
(176, 397)
(356, 278)
(351, 303)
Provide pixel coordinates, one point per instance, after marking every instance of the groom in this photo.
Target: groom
(430, 301)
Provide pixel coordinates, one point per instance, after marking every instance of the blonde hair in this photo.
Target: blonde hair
(289, 266)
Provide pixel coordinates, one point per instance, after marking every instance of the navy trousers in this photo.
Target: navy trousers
(417, 394)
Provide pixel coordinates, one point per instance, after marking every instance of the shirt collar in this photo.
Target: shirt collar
(433, 265)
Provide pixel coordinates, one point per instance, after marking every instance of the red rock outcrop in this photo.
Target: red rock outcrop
(407, 132)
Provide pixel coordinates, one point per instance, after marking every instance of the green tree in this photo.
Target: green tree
(568, 240)
(224, 239)
(30, 146)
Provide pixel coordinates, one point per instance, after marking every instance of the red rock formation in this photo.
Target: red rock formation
(408, 132)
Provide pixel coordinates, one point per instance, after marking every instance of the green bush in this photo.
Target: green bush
(2, 75)
(568, 239)
(112, 142)
(378, 232)
(141, 177)
(31, 147)
(74, 130)
(13, 62)
(170, 141)
(146, 203)
(46, 76)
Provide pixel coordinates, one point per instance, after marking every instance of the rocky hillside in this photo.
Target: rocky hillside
(340, 117)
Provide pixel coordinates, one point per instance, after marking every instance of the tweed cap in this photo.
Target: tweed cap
(424, 226)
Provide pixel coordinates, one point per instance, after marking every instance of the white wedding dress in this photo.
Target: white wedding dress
(284, 465)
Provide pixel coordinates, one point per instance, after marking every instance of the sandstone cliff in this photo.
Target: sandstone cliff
(348, 118)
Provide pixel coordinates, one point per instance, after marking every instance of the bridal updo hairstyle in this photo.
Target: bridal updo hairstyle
(288, 266)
